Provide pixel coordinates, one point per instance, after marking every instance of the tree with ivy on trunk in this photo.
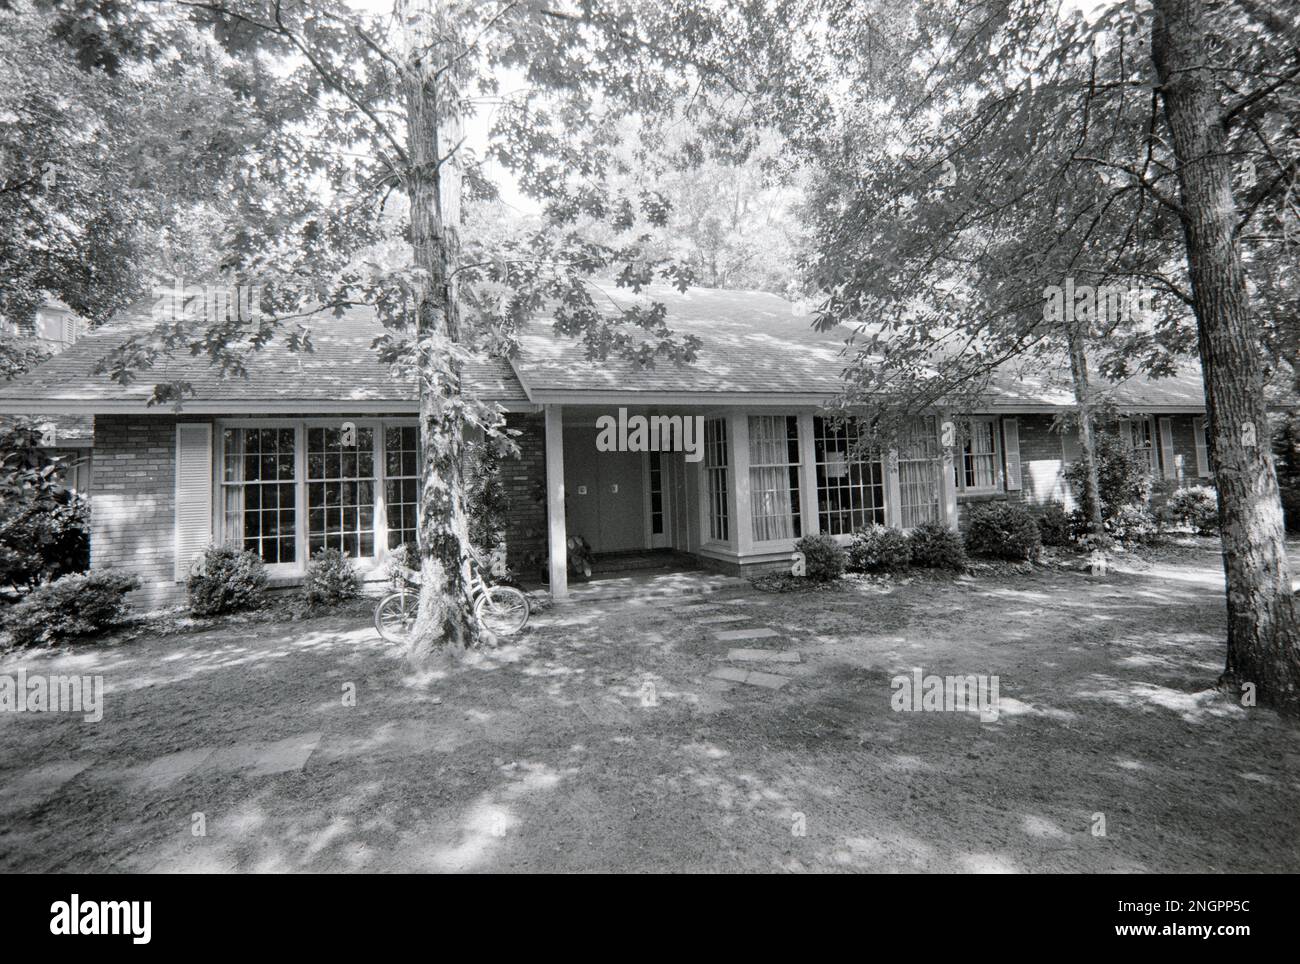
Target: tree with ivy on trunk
(359, 108)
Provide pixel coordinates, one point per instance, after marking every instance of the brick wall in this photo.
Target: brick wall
(524, 480)
(133, 503)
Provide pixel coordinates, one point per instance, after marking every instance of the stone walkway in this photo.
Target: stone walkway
(248, 760)
(740, 674)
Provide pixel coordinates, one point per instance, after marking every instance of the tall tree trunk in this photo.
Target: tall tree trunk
(1087, 442)
(1262, 636)
(433, 186)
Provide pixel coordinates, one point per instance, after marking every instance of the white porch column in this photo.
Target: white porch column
(809, 510)
(893, 491)
(557, 538)
(948, 482)
(738, 441)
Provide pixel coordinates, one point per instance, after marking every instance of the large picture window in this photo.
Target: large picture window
(774, 477)
(290, 490)
(715, 477)
(850, 487)
(919, 473)
(259, 492)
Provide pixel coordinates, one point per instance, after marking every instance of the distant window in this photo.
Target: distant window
(1139, 435)
(976, 469)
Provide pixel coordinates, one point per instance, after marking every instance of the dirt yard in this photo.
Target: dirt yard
(620, 736)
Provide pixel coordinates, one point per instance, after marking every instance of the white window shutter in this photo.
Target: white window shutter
(193, 493)
(1167, 448)
(1011, 446)
(1202, 453)
(1071, 447)
(1126, 433)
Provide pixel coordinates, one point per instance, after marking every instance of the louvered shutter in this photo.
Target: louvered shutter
(1202, 452)
(193, 493)
(1011, 446)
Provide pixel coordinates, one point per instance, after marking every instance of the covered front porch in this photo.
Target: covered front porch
(733, 487)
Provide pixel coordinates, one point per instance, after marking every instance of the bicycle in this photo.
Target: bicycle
(502, 610)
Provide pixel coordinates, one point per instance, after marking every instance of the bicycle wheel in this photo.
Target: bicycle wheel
(503, 610)
(395, 615)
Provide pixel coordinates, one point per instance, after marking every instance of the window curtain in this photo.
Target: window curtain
(769, 478)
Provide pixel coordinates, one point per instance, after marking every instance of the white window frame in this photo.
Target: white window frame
(366, 564)
(1128, 434)
(851, 428)
(796, 486)
(959, 461)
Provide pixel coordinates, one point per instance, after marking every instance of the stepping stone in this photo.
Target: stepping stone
(730, 634)
(694, 608)
(767, 680)
(730, 673)
(762, 655)
(724, 618)
(163, 771)
(265, 759)
(733, 674)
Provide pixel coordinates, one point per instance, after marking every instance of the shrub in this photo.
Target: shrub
(879, 548)
(225, 579)
(1122, 477)
(1133, 525)
(1196, 508)
(824, 558)
(44, 531)
(331, 578)
(70, 607)
(935, 546)
(1003, 530)
(1054, 525)
(400, 559)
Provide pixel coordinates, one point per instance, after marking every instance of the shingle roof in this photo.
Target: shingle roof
(753, 342)
(753, 345)
(342, 368)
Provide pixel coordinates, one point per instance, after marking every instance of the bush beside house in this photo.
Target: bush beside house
(824, 558)
(1003, 530)
(879, 548)
(331, 579)
(71, 607)
(226, 579)
(935, 546)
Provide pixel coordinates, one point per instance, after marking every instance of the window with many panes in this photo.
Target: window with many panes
(402, 483)
(850, 478)
(341, 490)
(774, 477)
(919, 472)
(976, 468)
(1139, 434)
(656, 494)
(715, 477)
(258, 487)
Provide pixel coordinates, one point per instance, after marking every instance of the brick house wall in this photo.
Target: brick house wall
(524, 481)
(1042, 465)
(132, 516)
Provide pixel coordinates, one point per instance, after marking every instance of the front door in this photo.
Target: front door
(604, 493)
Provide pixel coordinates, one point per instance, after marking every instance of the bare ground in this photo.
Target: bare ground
(598, 741)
